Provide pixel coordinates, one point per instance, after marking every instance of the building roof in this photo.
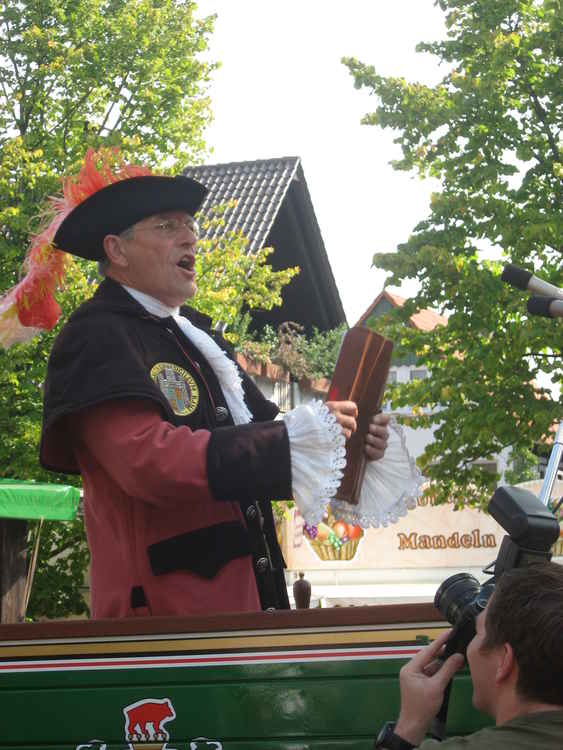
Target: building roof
(259, 188)
(274, 209)
(424, 320)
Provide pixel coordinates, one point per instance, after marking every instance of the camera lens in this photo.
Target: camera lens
(454, 594)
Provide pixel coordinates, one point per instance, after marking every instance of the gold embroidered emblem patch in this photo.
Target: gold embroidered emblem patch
(178, 386)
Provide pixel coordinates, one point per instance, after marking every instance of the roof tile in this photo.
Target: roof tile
(258, 187)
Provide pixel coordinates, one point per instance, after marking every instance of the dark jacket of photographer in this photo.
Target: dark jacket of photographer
(539, 731)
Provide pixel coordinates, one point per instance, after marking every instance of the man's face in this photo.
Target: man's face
(160, 256)
(482, 665)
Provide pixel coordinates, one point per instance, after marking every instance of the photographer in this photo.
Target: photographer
(516, 665)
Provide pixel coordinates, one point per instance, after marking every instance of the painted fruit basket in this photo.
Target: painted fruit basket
(333, 538)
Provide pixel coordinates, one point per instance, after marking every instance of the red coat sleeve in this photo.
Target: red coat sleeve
(144, 455)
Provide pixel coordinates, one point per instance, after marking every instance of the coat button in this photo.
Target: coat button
(221, 413)
(251, 513)
(262, 564)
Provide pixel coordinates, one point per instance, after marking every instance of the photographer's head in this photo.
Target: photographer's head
(516, 658)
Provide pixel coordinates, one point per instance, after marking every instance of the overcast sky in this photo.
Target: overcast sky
(282, 91)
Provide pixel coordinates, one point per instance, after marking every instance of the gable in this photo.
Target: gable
(274, 209)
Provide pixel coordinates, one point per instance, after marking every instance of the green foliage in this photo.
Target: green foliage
(59, 575)
(490, 131)
(303, 357)
(321, 351)
(313, 357)
(126, 71)
(76, 74)
(524, 466)
(232, 281)
(262, 348)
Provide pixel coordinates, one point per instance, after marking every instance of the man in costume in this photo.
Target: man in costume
(178, 450)
(516, 664)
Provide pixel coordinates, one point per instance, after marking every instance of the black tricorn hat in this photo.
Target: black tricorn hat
(115, 208)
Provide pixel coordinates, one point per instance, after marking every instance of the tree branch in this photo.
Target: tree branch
(69, 112)
(541, 113)
(13, 111)
(128, 105)
(110, 110)
(38, 86)
(10, 58)
(48, 91)
(539, 158)
(16, 74)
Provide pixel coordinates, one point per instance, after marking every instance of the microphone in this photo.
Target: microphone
(523, 279)
(549, 307)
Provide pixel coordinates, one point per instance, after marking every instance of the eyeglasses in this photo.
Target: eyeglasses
(174, 226)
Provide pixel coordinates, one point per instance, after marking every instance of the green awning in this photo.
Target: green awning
(53, 502)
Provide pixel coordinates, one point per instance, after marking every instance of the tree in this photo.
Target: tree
(75, 74)
(80, 73)
(490, 131)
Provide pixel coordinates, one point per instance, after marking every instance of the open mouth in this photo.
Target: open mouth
(187, 262)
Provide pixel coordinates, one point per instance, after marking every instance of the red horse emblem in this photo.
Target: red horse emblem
(144, 721)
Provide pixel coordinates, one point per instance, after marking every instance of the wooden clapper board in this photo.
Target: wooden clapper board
(360, 375)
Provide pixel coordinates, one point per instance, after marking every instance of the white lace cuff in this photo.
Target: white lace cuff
(390, 488)
(318, 456)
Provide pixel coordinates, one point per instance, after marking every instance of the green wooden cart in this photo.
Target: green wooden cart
(300, 680)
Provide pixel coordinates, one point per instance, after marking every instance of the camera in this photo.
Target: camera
(532, 531)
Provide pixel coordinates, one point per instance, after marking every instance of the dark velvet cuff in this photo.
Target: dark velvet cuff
(249, 462)
(203, 551)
